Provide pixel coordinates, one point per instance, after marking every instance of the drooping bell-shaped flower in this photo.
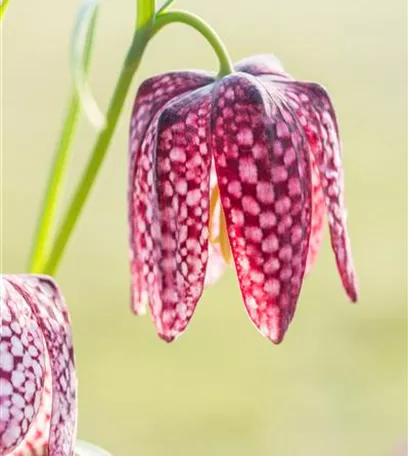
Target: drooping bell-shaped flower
(37, 374)
(240, 168)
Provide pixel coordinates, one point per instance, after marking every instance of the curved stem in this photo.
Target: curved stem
(169, 17)
(145, 13)
(58, 170)
(99, 152)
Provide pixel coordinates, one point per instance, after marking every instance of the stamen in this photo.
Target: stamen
(218, 230)
(214, 199)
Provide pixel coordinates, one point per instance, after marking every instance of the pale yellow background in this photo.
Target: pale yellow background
(337, 385)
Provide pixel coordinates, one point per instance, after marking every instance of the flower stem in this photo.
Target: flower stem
(58, 170)
(145, 13)
(169, 17)
(3, 7)
(99, 151)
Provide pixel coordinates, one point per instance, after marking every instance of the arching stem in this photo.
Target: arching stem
(170, 17)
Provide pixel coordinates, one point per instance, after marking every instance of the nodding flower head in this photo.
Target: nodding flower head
(240, 169)
(37, 375)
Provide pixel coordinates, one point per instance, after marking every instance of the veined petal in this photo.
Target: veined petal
(318, 212)
(320, 126)
(36, 440)
(34, 303)
(262, 64)
(21, 381)
(182, 181)
(317, 197)
(264, 179)
(142, 221)
(152, 96)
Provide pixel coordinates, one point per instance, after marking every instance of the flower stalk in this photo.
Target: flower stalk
(184, 17)
(3, 7)
(145, 13)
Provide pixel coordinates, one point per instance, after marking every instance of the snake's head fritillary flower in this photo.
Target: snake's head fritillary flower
(240, 169)
(37, 375)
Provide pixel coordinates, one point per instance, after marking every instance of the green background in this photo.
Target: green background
(337, 384)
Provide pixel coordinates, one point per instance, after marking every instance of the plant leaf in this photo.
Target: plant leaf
(165, 5)
(82, 39)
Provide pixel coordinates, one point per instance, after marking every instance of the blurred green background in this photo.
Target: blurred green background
(338, 384)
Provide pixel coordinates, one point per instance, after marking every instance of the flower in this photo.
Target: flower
(37, 374)
(243, 167)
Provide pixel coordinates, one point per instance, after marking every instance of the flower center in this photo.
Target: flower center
(218, 226)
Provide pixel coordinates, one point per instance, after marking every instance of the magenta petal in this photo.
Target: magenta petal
(39, 348)
(20, 380)
(264, 179)
(318, 212)
(142, 220)
(152, 96)
(321, 128)
(182, 170)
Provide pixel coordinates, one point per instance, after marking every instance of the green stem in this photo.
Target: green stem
(3, 7)
(169, 17)
(99, 151)
(145, 13)
(58, 171)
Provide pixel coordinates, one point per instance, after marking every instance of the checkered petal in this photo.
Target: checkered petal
(37, 373)
(263, 169)
(152, 97)
(318, 118)
(182, 169)
(318, 217)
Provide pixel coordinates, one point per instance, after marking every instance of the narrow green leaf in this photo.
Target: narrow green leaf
(83, 448)
(165, 5)
(84, 31)
(46, 221)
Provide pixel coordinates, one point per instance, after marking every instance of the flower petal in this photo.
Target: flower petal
(318, 211)
(216, 265)
(36, 440)
(22, 372)
(321, 129)
(182, 171)
(318, 205)
(45, 301)
(264, 177)
(262, 64)
(152, 96)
